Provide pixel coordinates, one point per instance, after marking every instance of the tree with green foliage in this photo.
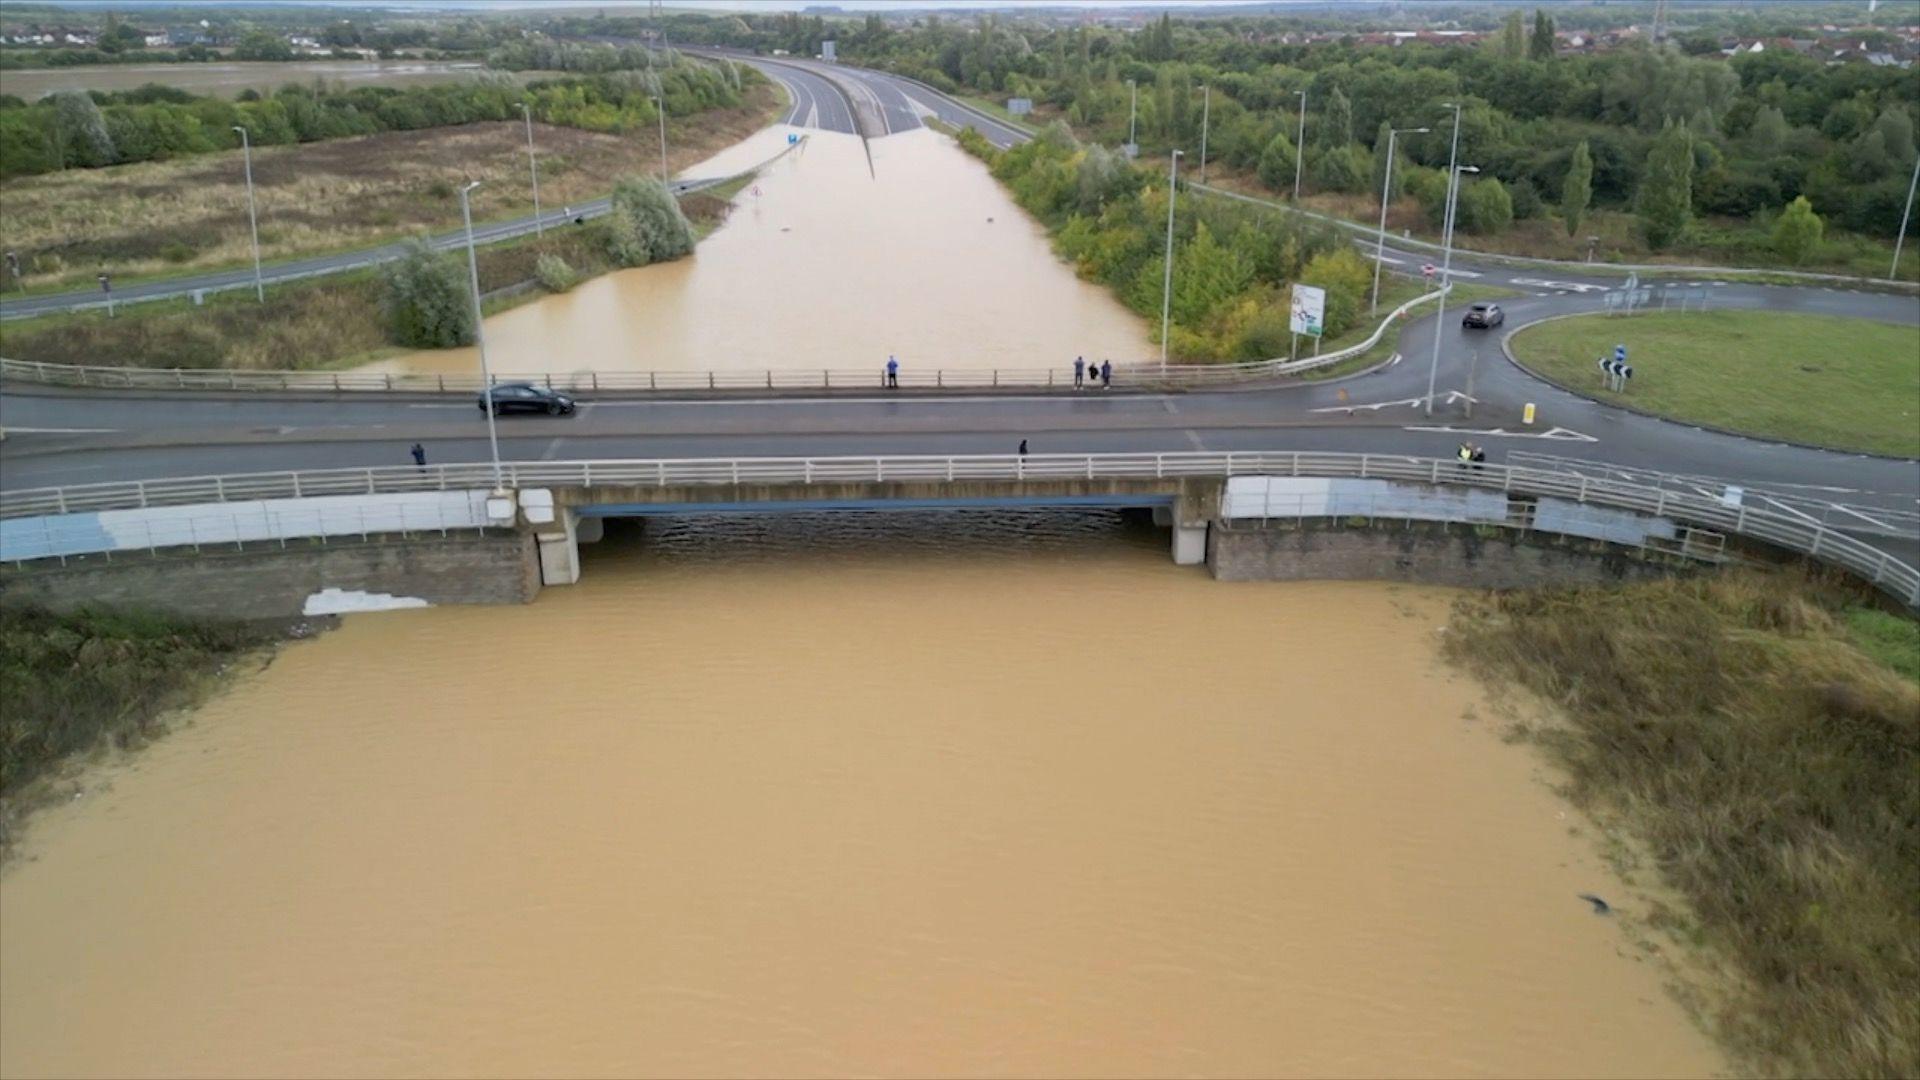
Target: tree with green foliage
(1797, 232)
(1513, 37)
(1336, 121)
(82, 131)
(1666, 189)
(1577, 191)
(1767, 135)
(645, 224)
(1345, 169)
(1348, 279)
(1276, 163)
(1485, 207)
(260, 45)
(428, 300)
(1540, 46)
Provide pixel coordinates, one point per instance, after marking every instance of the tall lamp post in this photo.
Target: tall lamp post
(480, 336)
(1904, 216)
(253, 218)
(1386, 185)
(1206, 111)
(660, 106)
(1300, 146)
(1446, 283)
(1166, 284)
(1133, 116)
(533, 167)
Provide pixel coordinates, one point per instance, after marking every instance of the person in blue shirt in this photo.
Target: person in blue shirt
(1106, 374)
(1079, 372)
(893, 373)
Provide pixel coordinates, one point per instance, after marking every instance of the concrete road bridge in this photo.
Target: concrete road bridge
(458, 533)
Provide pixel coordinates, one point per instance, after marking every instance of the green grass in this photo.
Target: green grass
(1769, 768)
(73, 683)
(1891, 639)
(1843, 383)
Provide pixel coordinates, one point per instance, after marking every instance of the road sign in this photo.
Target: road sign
(1309, 310)
(1020, 106)
(1428, 271)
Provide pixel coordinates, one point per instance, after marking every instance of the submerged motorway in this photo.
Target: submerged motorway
(66, 437)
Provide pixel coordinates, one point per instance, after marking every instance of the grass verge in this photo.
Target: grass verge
(155, 220)
(1770, 765)
(330, 322)
(1843, 383)
(75, 683)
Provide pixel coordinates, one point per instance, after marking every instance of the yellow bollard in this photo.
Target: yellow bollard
(1528, 415)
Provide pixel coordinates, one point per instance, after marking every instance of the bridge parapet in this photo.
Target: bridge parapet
(1194, 487)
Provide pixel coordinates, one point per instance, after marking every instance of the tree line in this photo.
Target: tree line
(1670, 137)
(73, 129)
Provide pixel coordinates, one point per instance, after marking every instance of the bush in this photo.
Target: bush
(427, 299)
(554, 274)
(1484, 207)
(1347, 169)
(646, 224)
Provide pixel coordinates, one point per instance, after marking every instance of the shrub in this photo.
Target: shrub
(427, 299)
(554, 274)
(646, 224)
(1484, 207)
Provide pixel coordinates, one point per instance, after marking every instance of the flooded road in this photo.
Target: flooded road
(803, 796)
(824, 265)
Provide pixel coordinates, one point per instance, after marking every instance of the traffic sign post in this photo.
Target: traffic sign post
(106, 286)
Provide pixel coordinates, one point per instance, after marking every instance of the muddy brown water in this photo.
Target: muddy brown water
(918, 795)
(823, 264)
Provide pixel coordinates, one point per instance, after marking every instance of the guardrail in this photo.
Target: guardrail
(1370, 232)
(1144, 375)
(1780, 530)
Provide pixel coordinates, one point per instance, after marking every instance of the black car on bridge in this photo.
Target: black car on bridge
(526, 397)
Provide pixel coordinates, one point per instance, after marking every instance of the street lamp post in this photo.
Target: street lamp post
(1446, 283)
(1300, 145)
(253, 218)
(1904, 216)
(660, 106)
(1206, 110)
(480, 336)
(1386, 185)
(533, 167)
(1166, 284)
(1133, 115)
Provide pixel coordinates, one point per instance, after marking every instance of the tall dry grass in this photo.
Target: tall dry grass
(1772, 769)
(191, 214)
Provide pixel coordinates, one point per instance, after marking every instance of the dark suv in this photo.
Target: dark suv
(526, 397)
(1483, 315)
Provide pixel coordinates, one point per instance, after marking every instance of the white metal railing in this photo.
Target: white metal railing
(1791, 533)
(1134, 375)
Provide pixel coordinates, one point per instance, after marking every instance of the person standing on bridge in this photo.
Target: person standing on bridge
(1023, 448)
(1106, 374)
(419, 457)
(893, 373)
(1079, 372)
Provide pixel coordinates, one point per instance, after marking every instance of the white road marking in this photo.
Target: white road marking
(1563, 286)
(1559, 434)
(1452, 397)
(10, 429)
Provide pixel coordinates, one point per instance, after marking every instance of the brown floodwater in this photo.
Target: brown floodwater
(798, 796)
(823, 264)
(229, 78)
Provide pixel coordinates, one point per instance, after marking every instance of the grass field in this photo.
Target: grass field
(167, 218)
(329, 322)
(1843, 383)
(1752, 735)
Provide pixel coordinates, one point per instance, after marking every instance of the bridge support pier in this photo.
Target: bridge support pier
(556, 532)
(1189, 544)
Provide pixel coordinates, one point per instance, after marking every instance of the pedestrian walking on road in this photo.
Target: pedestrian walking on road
(893, 373)
(1023, 448)
(419, 457)
(1079, 372)
(1106, 374)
